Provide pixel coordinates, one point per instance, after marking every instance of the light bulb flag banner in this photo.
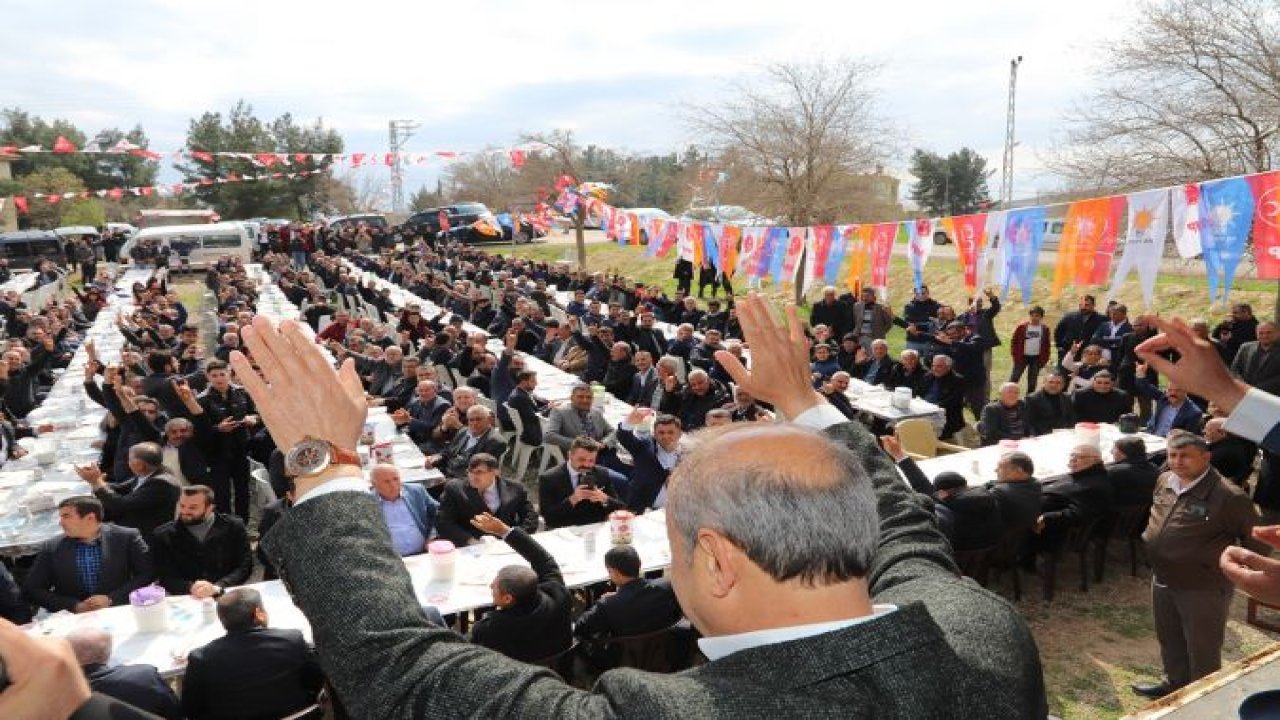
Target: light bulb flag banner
(1266, 224)
(919, 246)
(1226, 215)
(1144, 243)
(1023, 235)
(969, 237)
(1088, 242)
(835, 256)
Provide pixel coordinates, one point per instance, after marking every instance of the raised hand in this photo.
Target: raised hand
(1199, 369)
(780, 358)
(893, 447)
(1255, 574)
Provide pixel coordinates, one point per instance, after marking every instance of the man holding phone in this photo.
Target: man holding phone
(226, 423)
(580, 492)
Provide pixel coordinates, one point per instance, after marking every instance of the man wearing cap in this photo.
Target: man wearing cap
(1195, 516)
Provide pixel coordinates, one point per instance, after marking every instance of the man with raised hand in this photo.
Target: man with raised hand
(861, 615)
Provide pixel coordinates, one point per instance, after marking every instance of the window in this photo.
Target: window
(221, 241)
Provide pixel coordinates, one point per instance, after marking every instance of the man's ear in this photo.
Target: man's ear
(720, 562)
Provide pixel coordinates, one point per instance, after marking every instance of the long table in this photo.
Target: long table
(191, 626)
(1048, 452)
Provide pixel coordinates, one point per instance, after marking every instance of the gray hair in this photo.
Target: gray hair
(758, 504)
(912, 353)
(177, 422)
(466, 390)
(91, 645)
(147, 452)
(517, 581)
(946, 359)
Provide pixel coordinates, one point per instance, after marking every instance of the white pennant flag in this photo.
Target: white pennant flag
(1186, 220)
(1144, 243)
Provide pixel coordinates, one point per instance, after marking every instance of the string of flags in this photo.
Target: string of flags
(22, 203)
(1215, 219)
(62, 146)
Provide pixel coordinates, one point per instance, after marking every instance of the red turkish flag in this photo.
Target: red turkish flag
(389, 159)
(357, 159)
(1266, 223)
(563, 182)
(116, 193)
(517, 158)
(143, 152)
(202, 156)
(63, 146)
(147, 190)
(9, 150)
(301, 157)
(53, 199)
(21, 203)
(178, 188)
(266, 159)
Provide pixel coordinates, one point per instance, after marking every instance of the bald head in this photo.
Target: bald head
(91, 645)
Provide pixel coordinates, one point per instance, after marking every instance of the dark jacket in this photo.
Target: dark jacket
(899, 377)
(950, 647)
(1189, 416)
(872, 371)
(271, 515)
(1075, 326)
(460, 502)
(259, 673)
(837, 315)
(996, 425)
(691, 408)
(950, 397)
(1047, 413)
(1132, 482)
(647, 474)
(554, 489)
(1078, 498)
(527, 408)
(223, 558)
(975, 519)
(1233, 457)
(453, 462)
(1020, 503)
(139, 685)
(1092, 406)
(13, 607)
(1250, 365)
(54, 583)
(145, 507)
(535, 627)
(638, 607)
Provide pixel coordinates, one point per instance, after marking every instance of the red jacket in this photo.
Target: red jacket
(1019, 341)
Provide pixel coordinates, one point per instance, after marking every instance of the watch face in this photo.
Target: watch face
(307, 457)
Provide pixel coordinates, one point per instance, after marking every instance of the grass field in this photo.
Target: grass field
(1094, 644)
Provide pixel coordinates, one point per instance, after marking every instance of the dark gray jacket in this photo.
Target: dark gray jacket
(951, 650)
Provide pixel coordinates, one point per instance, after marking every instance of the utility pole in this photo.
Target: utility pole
(1006, 177)
(400, 131)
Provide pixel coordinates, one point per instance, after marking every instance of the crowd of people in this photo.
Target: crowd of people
(174, 499)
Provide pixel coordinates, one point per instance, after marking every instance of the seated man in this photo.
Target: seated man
(943, 387)
(577, 419)
(1006, 418)
(873, 369)
(483, 491)
(1083, 496)
(532, 619)
(203, 551)
(93, 566)
(691, 403)
(835, 390)
(1050, 408)
(972, 513)
(144, 501)
(479, 437)
(1102, 402)
(637, 605)
(422, 415)
(1017, 491)
(653, 457)
(580, 492)
(139, 685)
(252, 671)
(1132, 474)
(409, 511)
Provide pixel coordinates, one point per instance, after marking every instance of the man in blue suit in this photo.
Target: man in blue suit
(408, 509)
(653, 456)
(1173, 411)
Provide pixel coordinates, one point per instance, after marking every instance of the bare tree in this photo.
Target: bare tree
(803, 131)
(1192, 92)
(565, 152)
(486, 176)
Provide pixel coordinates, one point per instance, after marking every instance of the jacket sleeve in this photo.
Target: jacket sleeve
(449, 517)
(40, 578)
(142, 565)
(556, 511)
(989, 425)
(916, 477)
(239, 540)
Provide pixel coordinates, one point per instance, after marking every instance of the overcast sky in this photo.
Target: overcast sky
(477, 74)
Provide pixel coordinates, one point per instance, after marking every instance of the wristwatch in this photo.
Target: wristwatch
(313, 456)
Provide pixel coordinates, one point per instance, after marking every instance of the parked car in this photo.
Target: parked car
(735, 214)
(462, 217)
(24, 249)
(370, 219)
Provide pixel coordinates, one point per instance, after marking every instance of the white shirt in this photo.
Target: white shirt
(1255, 416)
(1031, 343)
(1179, 487)
(717, 647)
(172, 462)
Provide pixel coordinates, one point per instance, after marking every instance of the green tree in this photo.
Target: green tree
(424, 199)
(951, 185)
(241, 131)
(52, 181)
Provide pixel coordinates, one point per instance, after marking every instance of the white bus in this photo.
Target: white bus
(194, 247)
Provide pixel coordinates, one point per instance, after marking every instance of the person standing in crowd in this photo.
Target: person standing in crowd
(1110, 334)
(1257, 362)
(871, 320)
(1195, 516)
(1030, 348)
(833, 313)
(1240, 328)
(1077, 326)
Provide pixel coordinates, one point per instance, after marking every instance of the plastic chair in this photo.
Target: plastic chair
(519, 453)
(1077, 541)
(919, 440)
(1126, 522)
(1008, 553)
(651, 652)
(561, 663)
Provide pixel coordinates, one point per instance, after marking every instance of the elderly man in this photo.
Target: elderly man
(1017, 491)
(183, 456)
(1102, 402)
(1050, 408)
(578, 419)
(944, 388)
(836, 393)
(1006, 418)
(139, 685)
(907, 372)
(202, 552)
(621, 373)
(1173, 410)
(692, 402)
(831, 312)
(1195, 516)
(144, 501)
(410, 513)
(580, 491)
(422, 415)
(479, 437)
(1131, 473)
(454, 419)
(1258, 362)
(1081, 497)
(871, 320)
(92, 566)
(873, 369)
(645, 382)
(483, 491)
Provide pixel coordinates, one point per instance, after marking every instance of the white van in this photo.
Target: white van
(194, 247)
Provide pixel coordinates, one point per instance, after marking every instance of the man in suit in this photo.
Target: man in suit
(410, 513)
(644, 382)
(521, 400)
(1049, 408)
(251, 672)
(1077, 326)
(1006, 418)
(944, 388)
(580, 492)
(1017, 491)
(532, 616)
(93, 566)
(1131, 474)
(203, 551)
(483, 491)
(139, 685)
(636, 606)
(973, 512)
(479, 437)
(145, 501)
(648, 338)
(1195, 516)
(1258, 362)
(653, 456)
(578, 419)
(873, 369)
(1079, 498)
(832, 312)
(1173, 409)
(183, 456)
(828, 651)
(422, 415)
(1110, 334)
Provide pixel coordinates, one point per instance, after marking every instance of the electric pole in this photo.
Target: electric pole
(400, 131)
(1006, 177)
